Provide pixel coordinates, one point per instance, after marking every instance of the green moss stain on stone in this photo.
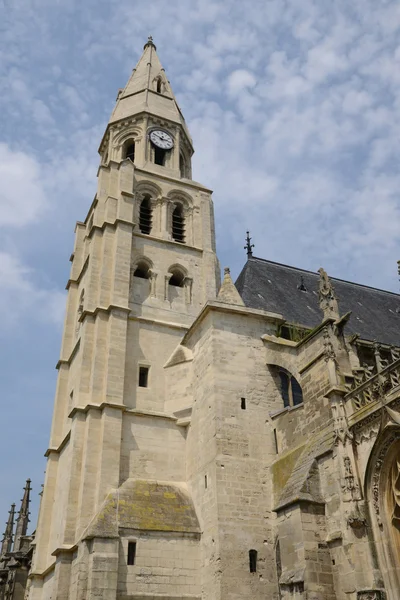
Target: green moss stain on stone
(283, 468)
(145, 505)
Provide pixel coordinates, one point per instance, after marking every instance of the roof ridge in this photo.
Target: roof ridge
(362, 285)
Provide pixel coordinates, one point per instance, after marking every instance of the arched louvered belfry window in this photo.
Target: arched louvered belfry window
(178, 224)
(145, 216)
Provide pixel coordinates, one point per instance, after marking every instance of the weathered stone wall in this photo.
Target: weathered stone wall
(164, 564)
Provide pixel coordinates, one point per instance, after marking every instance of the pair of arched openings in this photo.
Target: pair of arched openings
(177, 274)
(177, 223)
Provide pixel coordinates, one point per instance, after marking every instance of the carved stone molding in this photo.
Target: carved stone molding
(371, 595)
(376, 477)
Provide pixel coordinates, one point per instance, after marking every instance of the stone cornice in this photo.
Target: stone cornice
(65, 549)
(67, 361)
(85, 409)
(92, 313)
(185, 183)
(165, 241)
(42, 574)
(80, 274)
(58, 449)
(151, 321)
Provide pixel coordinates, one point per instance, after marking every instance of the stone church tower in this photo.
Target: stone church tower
(143, 266)
(239, 442)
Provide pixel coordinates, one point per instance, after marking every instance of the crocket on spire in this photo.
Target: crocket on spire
(23, 517)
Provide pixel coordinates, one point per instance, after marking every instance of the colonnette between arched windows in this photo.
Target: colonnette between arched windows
(158, 216)
(175, 277)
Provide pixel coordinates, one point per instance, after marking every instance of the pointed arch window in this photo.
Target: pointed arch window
(292, 394)
(178, 224)
(159, 85)
(145, 215)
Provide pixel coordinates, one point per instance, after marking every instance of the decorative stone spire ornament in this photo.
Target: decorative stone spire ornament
(149, 43)
(6, 544)
(23, 517)
(327, 297)
(249, 246)
(228, 292)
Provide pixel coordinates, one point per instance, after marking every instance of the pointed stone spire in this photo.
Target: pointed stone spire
(148, 90)
(228, 292)
(327, 297)
(23, 517)
(6, 543)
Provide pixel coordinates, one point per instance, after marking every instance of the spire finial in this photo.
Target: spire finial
(249, 246)
(23, 517)
(150, 43)
(327, 298)
(8, 534)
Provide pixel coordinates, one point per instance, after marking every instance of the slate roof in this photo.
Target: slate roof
(273, 287)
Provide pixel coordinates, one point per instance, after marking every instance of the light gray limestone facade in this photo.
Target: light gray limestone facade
(204, 446)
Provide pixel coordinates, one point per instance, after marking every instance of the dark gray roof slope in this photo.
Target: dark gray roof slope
(274, 287)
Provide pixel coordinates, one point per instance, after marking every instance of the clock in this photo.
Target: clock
(161, 139)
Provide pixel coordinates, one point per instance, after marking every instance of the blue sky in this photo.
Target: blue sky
(294, 108)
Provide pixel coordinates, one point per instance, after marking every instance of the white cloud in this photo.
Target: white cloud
(240, 80)
(20, 296)
(22, 197)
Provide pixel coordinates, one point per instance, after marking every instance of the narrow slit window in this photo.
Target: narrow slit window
(253, 561)
(178, 224)
(243, 403)
(145, 216)
(131, 553)
(276, 442)
(159, 86)
(160, 156)
(130, 151)
(143, 376)
(205, 481)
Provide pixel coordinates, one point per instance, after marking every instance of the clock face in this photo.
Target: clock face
(161, 139)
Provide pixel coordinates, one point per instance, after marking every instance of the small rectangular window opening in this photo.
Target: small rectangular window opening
(243, 403)
(276, 442)
(205, 481)
(253, 561)
(160, 156)
(131, 553)
(143, 376)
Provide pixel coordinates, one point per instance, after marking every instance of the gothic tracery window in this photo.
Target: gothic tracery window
(291, 391)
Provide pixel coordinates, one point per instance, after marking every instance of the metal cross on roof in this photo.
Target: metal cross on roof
(249, 246)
